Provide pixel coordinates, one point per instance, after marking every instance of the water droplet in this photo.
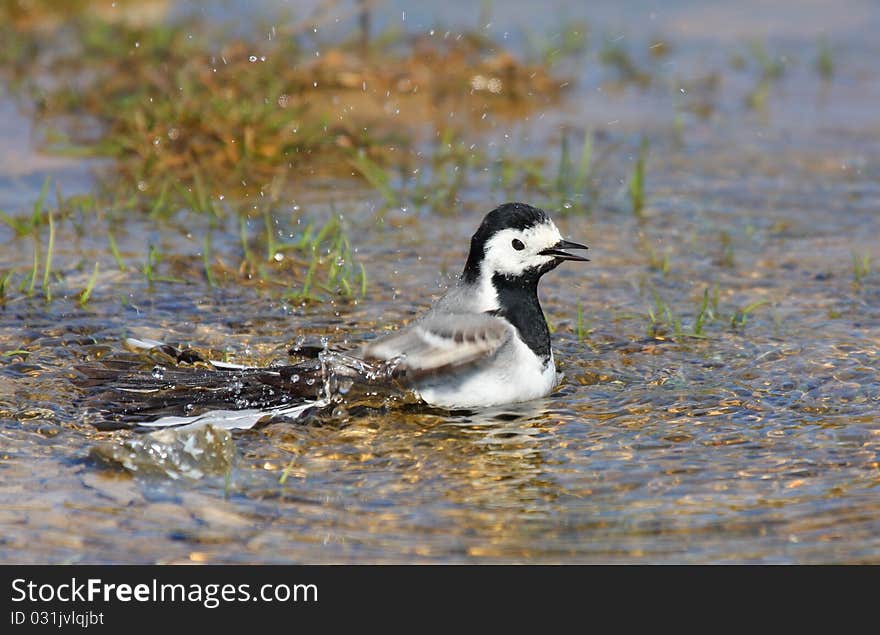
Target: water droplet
(252, 59)
(278, 257)
(158, 372)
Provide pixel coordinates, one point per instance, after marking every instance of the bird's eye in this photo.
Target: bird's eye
(518, 244)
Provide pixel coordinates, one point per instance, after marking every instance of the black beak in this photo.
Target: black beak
(557, 251)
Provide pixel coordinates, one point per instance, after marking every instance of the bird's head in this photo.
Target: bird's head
(516, 241)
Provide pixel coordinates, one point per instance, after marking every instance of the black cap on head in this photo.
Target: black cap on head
(507, 216)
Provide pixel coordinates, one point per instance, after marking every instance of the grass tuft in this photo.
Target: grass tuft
(4, 285)
(114, 249)
(177, 101)
(741, 316)
(637, 179)
(825, 61)
(861, 267)
(47, 267)
(86, 293)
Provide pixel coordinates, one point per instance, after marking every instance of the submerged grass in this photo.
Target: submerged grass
(375, 176)
(741, 315)
(707, 313)
(206, 260)
(662, 321)
(192, 115)
(4, 285)
(574, 182)
(317, 263)
(172, 105)
(861, 265)
(668, 322)
(637, 180)
(825, 61)
(615, 56)
(582, 329)
(197, 119)
(771, 67)
(47, 266)
(86, 293)
(114, 249)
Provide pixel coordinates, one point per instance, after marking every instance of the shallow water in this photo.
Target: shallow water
(753, 443)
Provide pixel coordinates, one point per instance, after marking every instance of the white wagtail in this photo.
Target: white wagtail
(484, 343)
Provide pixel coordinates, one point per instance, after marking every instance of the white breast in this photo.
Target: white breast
(514, 374)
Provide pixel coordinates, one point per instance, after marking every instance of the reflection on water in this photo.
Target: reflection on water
(756, 440)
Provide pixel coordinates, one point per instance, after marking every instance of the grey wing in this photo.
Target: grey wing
(441, 343)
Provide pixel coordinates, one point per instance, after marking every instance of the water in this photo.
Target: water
(757, 442)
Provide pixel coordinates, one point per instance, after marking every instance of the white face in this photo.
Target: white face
(505, 256)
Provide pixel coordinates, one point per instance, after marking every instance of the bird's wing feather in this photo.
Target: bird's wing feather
(439, 344)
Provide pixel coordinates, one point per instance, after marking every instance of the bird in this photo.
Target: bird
(484, 343)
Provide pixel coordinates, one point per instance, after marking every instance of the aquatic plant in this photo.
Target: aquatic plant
(771, 67)
(741, 315)
(582, 329)
(86, 293)
(825, 60)
(861, 265)
(637, 179)
(661, 319)
(4, 285)
(172, 106)
(615, 56)
(705, 314)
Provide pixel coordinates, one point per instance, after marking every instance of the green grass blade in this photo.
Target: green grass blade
(206, 260)
(114, 249)
(47, 267)
(375, 176)
(90, 286)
